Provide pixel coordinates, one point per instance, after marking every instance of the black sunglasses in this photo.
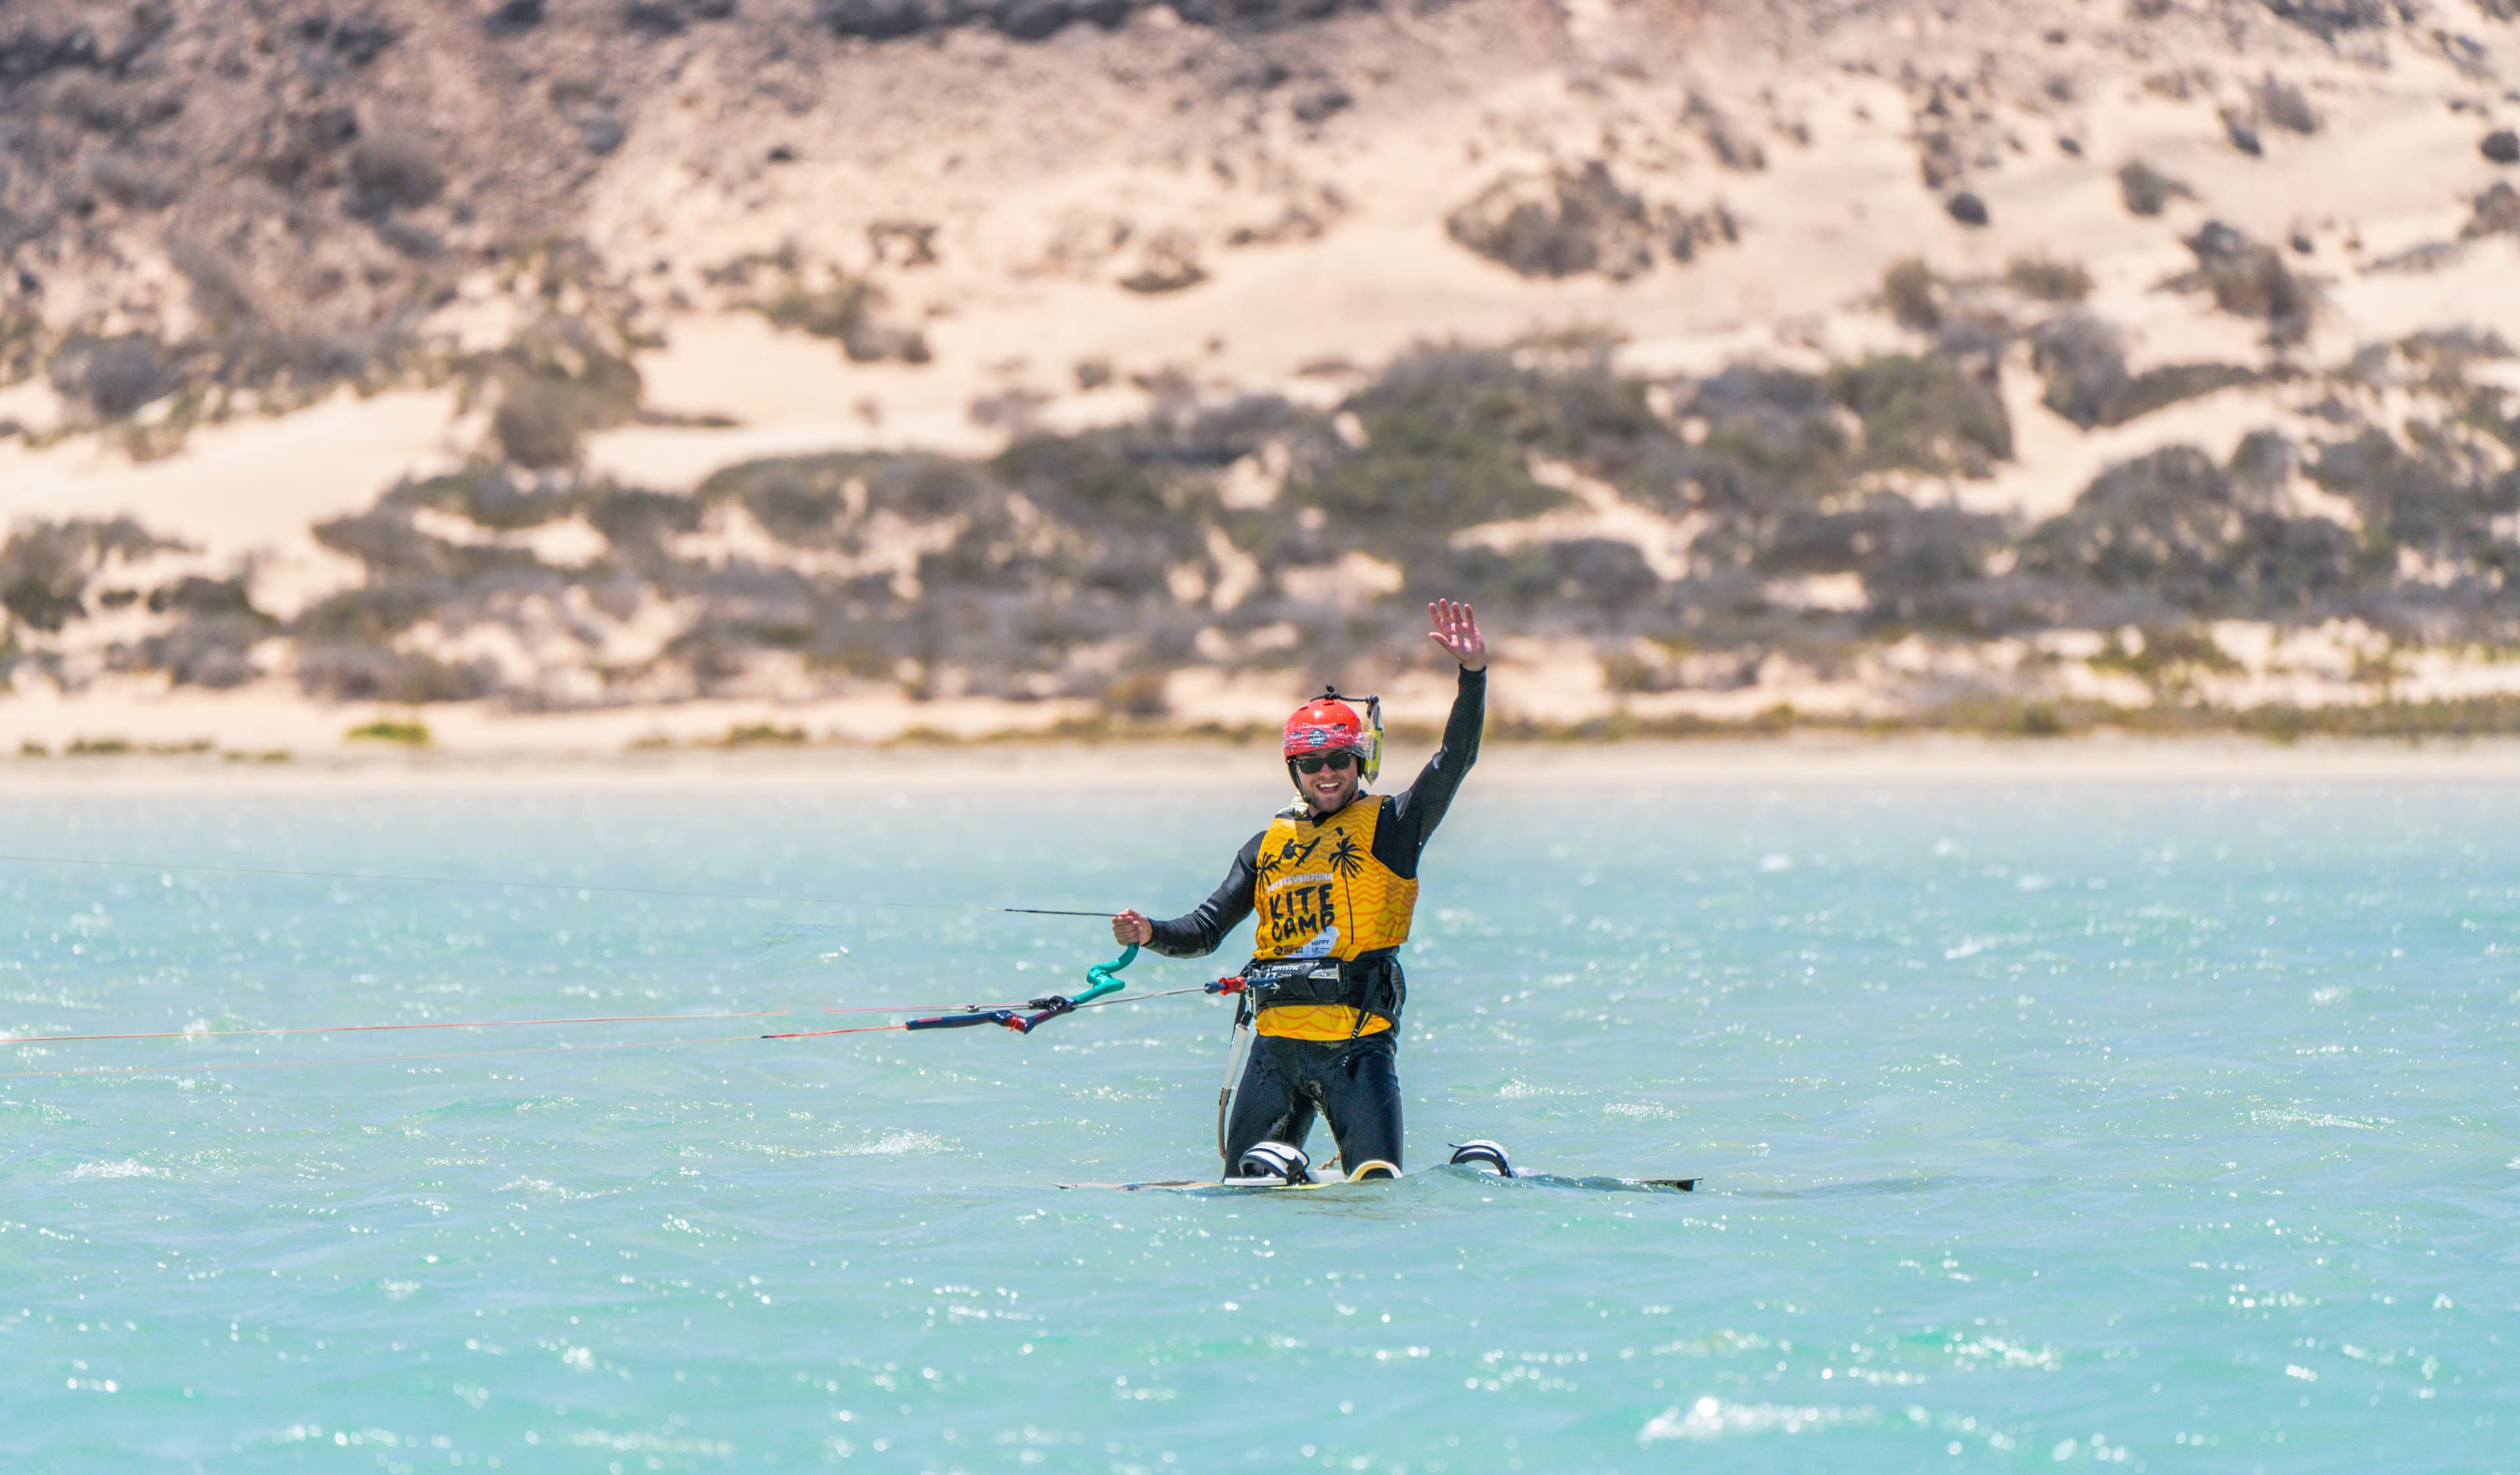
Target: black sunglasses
(1315, 762)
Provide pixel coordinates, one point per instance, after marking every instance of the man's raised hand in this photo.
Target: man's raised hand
(1457, 629)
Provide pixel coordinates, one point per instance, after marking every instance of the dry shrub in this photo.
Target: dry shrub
(397, 170)
(2496, 214)
(45, 567)
(1925, 413)
(2146, 190)
(373, 673)
(2285, 105)
(2174, 527)
(1170, 264)
(1560, 224)
(2083, 364)
(2050, 281)
(133, 183)
(1913, 295)
(116, 375)
(846, 311)
(538, 425)
(2250, 280)
(1732, 148)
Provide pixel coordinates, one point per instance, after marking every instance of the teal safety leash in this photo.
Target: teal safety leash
(1100, 979)
(1030, 1015)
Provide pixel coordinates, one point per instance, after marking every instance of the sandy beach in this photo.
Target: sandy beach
(1716, 764)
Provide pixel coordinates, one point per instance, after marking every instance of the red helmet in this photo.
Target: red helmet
(1324, 724)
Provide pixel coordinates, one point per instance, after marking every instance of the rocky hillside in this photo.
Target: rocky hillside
(2013, 365)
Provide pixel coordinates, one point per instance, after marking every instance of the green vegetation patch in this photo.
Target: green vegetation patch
(46, 567)
(1927, 413)
(2083, 361)
(1448, 439)
(407, 734)
(2181, 530)
(1257, 532)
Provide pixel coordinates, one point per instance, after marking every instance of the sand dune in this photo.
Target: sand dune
(1043, 175)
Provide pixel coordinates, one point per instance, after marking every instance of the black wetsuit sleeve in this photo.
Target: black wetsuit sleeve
(1197, 933)
(1413, 813)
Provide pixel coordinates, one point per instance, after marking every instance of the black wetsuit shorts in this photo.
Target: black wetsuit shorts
(1286, 1082)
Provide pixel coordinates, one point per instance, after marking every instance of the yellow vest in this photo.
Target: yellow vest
(1321, 894)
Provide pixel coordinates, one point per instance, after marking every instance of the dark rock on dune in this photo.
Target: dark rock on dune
(1034, 20)
(648, 18)
(873, 20)
(513, 18)
(2503, 145)
(1265, 15)
(2329, 19)
(29, 55)
(2245, 139)
(395, 170)
(897, 19)
(601, 133)
(1321, 104)
(2218, 241)
(356, 40)
(1966, 207)
(418, 242)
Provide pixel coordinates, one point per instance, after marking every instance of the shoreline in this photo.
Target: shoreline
(1791, 761)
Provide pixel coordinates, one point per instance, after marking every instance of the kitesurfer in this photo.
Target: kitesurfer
(1334, 880)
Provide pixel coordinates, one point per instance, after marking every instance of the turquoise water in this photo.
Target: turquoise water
(2168, 1127)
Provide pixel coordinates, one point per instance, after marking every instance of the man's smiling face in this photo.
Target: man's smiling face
(1333, 782)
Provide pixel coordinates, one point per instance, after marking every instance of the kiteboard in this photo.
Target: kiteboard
(1595, 1182)
(1481, 1157)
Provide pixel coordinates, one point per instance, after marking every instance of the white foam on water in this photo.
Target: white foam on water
(2288, 1117)
(897, 1143)
(128, 1167)
(1712, 1417)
